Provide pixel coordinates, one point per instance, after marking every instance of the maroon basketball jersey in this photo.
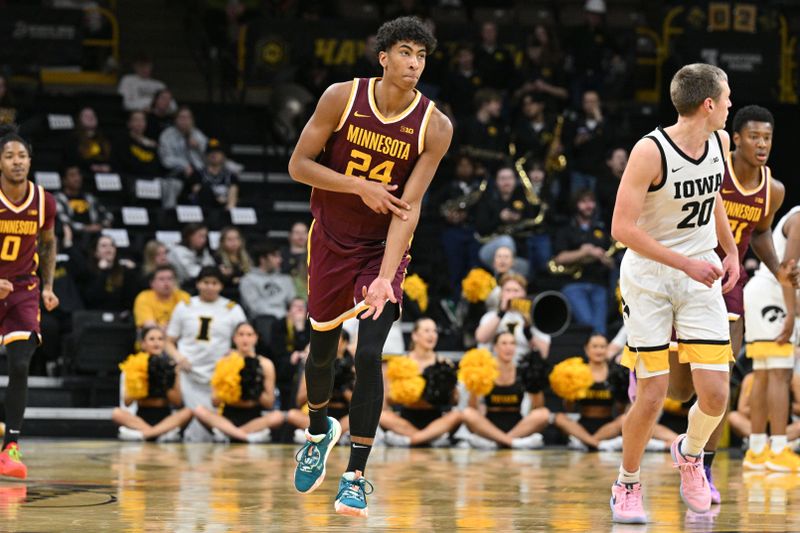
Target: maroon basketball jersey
(745, 208)
(368, 145)
(19, 231)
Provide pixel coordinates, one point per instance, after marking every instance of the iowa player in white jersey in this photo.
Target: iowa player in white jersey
(669, 214)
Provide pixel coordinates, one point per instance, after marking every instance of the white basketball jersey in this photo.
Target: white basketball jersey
(679, 211)
(779, 241)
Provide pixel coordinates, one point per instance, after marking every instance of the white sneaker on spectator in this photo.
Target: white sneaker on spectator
(575, 444)
(344, 440)
(259, 437)
(299, 436)
(610, 445)
(482, 443)
(128, 434)
(219, 436)
(380, 437)
(655, 445)
(398, 441)
(531, 442)
(442, 441)
(173, 435)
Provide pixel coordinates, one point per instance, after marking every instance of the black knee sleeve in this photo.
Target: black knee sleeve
(367, 401)
(19, 355)
(319, 365)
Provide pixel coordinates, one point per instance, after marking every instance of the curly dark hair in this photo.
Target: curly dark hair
(9, 133)
(752, 113)
(404, 29)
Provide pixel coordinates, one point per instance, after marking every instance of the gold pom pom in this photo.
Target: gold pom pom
(406, 391)
(405, 383)
(478, 370)
(477, 286)
(417, 290)
(571, 378)
(401, 367)
(226, 381)
(672, 406)
(136, 375)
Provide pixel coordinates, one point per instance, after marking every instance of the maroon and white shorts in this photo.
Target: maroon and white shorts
(336, 278)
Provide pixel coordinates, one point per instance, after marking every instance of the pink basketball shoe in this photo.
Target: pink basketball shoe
(626, 504)
(695, 491)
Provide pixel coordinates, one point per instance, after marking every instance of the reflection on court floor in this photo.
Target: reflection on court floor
(93, 486)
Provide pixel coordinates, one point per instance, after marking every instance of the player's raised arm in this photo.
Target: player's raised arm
(437, 141)
(304, 168)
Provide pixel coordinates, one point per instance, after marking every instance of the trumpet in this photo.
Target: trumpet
(575, 270)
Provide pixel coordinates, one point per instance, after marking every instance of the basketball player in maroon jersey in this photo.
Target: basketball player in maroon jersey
(27, 214)
(370, 152)
(751, 197)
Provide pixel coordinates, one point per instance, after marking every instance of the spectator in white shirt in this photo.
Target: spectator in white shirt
(138, 89)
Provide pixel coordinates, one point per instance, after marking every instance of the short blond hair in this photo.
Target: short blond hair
(692, 84)
(513, 276)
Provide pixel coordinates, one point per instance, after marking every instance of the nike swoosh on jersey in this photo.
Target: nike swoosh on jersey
(359, 115)
(676, 169)
(31, 287)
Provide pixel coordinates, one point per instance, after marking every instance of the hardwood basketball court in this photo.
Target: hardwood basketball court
(94, 486)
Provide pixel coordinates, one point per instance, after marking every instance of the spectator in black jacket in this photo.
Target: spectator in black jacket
(136, 153)
(501, 215)
(161, 114)
(80, 210)
(461, 84)
(109, 283)
(586, 141)
(88, 146)
(583, 243)
(215, 185)
(493, 61)
(485, 136)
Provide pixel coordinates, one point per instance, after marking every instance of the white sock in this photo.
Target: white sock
(700, 428)
(777, 443)
(626, 477)
(758, 441)
(520, 442)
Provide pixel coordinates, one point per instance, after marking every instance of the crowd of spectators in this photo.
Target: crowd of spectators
(525, 193)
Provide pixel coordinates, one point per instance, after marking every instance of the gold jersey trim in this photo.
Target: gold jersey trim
(379, 115)
(25, 204)
(349, 106)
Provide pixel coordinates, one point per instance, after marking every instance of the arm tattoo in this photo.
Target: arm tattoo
(47, 260)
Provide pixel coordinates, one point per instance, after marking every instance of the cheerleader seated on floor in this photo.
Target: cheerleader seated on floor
(242, 387)
(423, 388)
(151, 394)
(344, 378)
(494, 415)
(739, 419)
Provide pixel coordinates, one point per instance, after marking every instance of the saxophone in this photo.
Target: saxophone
(530, 195)
(555, 160)
(575, 270)
(465, 201)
